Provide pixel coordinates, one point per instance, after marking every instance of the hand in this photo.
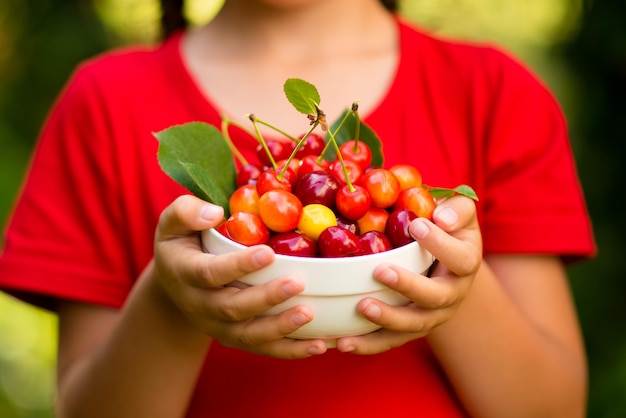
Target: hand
(455, 240)
(198, 285)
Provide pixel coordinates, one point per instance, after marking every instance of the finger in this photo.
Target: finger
(429, 293)
(208, 270)
(461, 253)
(375, 342)
(409, 318)
(234, 304)
(187, 214)
(263, 329)
(455, 213)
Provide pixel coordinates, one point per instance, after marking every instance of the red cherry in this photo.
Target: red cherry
(374, 220)
(246, 228)
(309, 164)
(382, 186)
(352, 204)
(358, 152)
(407, 175)
(353, 169)
(397, 227)
(269, 180)
(293, 243)
(418, 200)
(248, 174)
(280, 210)
(348, 224)
(279, 150)
(313, 145)
(373, 242)
(244, 199)
(336, 241)
(317, 187)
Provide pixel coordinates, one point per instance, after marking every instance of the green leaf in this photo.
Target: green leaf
(348, 132)
(302, 95)
(442, 192)
(197, 156)
(209, 189)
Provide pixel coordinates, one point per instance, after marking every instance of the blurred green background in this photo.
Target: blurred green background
(578, 47)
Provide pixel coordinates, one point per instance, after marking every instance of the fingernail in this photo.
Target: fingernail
(262, 257)
(298, 319)
(372, 310)
(211, 213)
(314, 350)
(387, 276)
(419, 229)
(291, 288)
(447, 215)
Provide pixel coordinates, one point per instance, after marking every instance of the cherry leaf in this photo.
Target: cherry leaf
(302, 95)
(442, 192)
(348, 133)
(197, 156)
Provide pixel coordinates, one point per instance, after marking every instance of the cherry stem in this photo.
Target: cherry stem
(340, 158)
(299, 145)
(339, 128)
(280, 131)
(225, 132)
(357, 128)
(262, 140)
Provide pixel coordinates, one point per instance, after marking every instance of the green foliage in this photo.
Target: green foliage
(348, 132)
(197, 156)
(302, 95)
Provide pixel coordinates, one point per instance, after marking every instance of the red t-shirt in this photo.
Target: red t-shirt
(83, 227)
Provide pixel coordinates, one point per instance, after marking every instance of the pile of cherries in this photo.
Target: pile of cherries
(303, 205)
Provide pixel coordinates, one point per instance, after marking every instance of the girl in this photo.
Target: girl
(148, 327)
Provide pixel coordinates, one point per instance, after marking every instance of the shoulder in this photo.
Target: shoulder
(464, 61)
(128, 67)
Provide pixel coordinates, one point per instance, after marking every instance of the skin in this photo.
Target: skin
(503, 326)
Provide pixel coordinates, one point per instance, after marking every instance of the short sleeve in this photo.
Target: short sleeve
(534, 201)
(64, 238)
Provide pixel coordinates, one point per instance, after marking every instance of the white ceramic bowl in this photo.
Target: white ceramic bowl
(333, 286)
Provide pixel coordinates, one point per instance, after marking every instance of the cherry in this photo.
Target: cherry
(246, 229)
(353, 169)
(407, 175)
(336, 241)
(280, 210)
(373, 242)
(269, 180)
(310, 163)
(418, 200)
(248, 174)
(348, 224)
(374, 220)
(397, 228)
(313, 145)
(317, 187)
(244, 199)
(358, 152)
(279, 150)
(294, 167)
(382, 186)
(353, 202)
(314, 219)
(293, 243)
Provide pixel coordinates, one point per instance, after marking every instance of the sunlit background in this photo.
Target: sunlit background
(42, 40)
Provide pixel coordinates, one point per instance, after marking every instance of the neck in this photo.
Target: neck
(320, 27)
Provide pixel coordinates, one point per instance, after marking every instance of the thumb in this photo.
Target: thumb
(188, 214)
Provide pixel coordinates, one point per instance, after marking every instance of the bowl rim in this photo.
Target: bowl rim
(314, 260)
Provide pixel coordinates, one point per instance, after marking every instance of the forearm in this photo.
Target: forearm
(146, 367)
(502, 363)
